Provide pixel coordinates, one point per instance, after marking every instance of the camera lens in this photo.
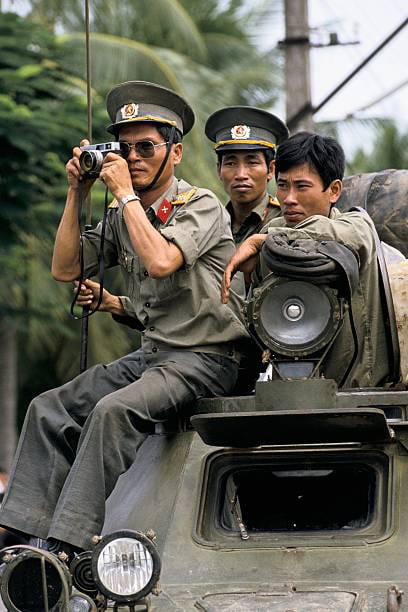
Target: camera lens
(91, 161)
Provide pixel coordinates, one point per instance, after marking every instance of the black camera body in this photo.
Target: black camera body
(92, 157)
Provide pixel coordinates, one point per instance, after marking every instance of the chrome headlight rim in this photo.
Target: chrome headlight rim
(254, 319)
(148, 544)
(83, 597)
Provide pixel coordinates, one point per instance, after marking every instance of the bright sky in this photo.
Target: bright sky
(370, 22)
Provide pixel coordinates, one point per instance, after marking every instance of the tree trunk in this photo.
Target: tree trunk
(8, 393)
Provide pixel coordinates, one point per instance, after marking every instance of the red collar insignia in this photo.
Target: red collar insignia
(164, 211)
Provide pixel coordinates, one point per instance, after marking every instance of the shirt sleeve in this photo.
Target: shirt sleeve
(197, 226)
(354, 230)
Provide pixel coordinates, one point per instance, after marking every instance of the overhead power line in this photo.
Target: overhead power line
(381, 98)
(307, 108)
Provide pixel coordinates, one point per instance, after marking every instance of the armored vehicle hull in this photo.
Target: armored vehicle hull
(319, 525)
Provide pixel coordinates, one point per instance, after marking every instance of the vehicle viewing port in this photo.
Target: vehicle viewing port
(277, 496)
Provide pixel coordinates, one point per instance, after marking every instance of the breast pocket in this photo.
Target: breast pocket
(130, 265)
(172, 286)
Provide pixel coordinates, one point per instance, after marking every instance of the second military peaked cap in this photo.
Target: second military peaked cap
(139, 101)
(245, 127)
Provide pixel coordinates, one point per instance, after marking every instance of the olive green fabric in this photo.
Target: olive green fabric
(79, 438)
(355, 231)
(384, 195)
(183, 311)
(251, 358)
(267, 209)
(245, 127)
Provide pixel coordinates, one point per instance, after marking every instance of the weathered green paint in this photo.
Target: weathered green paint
(294, 394)
(167, 491)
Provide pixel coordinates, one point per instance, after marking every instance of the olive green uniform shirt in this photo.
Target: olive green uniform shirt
(355, 231)
(251, 362)
(184, 310)
(267, 209)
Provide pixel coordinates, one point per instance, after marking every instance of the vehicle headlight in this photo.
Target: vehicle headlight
(81, 603)
(293, 318)
(125, 566)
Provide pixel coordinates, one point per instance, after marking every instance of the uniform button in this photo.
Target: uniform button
(147, 305)
(231, 353)
(154, 349)
(145, 273)
(152, 328)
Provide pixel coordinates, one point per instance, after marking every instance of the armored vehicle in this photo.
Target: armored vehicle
(293, 498)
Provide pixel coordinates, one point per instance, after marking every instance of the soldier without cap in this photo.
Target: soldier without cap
(309, 171)
(172, 242)
(245, 140)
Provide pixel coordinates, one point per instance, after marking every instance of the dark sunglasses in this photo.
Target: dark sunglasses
(144, 148)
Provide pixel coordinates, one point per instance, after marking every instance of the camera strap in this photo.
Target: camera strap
(100, 259)
(101, 262)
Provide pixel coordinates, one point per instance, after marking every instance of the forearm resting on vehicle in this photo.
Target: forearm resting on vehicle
(244, 260)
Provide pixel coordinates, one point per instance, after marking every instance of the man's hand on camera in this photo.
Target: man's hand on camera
(89, 296)
(75, 174)
(116, 176)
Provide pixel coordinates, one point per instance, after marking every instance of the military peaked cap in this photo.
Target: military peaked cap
(245, 127)
(137, 101)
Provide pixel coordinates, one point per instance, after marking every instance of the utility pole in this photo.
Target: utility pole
(297, 64)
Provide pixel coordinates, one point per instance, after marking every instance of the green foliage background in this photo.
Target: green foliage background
(199, 49)
(203, 50)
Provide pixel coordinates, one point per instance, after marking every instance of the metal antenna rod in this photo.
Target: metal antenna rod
(88, 73)
(83, 357)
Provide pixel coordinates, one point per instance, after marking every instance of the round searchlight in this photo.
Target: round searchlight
(125, 566)
(293, 318)
(33, 580)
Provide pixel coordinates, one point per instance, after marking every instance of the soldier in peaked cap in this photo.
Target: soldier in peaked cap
(172, 242)
(140, 102)
(245, 140)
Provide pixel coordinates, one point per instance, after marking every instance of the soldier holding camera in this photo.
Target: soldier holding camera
(172, 242)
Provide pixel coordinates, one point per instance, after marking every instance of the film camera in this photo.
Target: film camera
(92, 157)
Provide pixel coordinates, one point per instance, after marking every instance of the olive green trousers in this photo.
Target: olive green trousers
(79, 438)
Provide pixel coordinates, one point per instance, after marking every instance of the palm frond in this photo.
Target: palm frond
(162, 22)
(115, 60)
